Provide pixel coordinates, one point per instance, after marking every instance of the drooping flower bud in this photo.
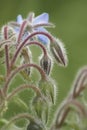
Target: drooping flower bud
(48, 89)
(35, 125)
(41, 108)
(59, 52)
(46, 63)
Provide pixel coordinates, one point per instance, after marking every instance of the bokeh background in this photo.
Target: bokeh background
(70, 18)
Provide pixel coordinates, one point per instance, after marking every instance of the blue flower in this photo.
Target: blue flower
(37, 25)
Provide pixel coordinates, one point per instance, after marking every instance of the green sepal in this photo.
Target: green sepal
(48, 89)
(40, 106)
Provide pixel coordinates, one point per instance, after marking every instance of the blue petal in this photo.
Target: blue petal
(19, 19)
(17, 29)
(43, 39)
(43, 18)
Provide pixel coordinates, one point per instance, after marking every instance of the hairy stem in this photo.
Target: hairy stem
(6, 49)
(25, 41)
(7, 59)
(22, 29)
(38, 44)
(65, 109)
(43, 75)
(5, 32)
(79, 83)
(21, 88)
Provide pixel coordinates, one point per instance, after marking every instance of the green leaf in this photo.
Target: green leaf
(12, 127)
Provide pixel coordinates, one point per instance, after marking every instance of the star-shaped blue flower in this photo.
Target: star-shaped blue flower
(37, 24)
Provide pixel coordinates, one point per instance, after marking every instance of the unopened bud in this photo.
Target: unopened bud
(48, 89)
(59, 52)
(46, 64)
(40, 106)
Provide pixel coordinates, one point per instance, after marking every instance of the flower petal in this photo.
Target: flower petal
(19, 19)
(43, 39)
(43, 18)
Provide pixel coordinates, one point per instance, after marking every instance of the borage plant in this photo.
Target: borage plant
(20, 107)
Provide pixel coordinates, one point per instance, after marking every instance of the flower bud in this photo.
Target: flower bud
(45, 63)
(40, 106)
(48, 89)
(35, 126)
(59, 52)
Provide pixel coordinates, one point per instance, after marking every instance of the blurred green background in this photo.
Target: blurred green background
(70, 18)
